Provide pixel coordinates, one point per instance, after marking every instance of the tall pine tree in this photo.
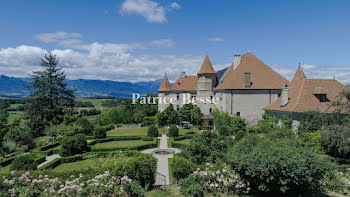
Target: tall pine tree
(50, 97)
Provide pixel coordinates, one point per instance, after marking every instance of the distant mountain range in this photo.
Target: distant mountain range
(12, 86)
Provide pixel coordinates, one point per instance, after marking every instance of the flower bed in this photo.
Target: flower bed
(27, 184)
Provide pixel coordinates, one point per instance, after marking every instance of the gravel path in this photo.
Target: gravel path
(48, 159)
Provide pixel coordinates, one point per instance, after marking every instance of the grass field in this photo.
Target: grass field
(96, 102)
(13, 115)
(169, 192)
(121, 144)
(185, 141)
(142, 131)
(85, 164)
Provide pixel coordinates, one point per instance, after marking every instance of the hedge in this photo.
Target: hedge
(61, 160)
(46, 147)
(175, 144)
(135, 147)
(121, 138)
(7, 161)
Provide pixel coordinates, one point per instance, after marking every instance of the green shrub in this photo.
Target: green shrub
(142, 169)
(207, 147)
(173, 131)
(87, 126)
(152, 131)
(254, 129)
(233, 124)
(224, 131)
(133, 189)
(23, 162)
(312, 121)
(279, 165)
(181, 167)
(313, 139)
(72, 145)
(240, 135)
(268, 123)
(336, 141)
(100, 132)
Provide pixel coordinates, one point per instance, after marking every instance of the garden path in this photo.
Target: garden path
(162, 165)
(48, 159)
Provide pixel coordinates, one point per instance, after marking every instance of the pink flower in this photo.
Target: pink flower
(13, 172)
(218, 172)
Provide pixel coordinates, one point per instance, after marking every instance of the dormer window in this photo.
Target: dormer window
(322, 98)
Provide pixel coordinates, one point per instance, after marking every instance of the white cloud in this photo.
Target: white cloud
(175, 5)
(54, 37)
(149, 9)
(316, 71)
(107, 61)
(215, 39)
(162, 43)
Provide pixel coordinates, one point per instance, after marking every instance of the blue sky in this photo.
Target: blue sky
(139, 40)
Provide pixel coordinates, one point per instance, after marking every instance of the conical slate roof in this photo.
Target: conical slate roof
(206, 68)
(165, 86)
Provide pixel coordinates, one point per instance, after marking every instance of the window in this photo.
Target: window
(322, 98)
(238, 113)
(177, 96)
(279, 94)
(177, 107)
(247, 81)
(178, 83)
(210, 110)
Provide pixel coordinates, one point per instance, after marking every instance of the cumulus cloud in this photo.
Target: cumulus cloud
(317, 71)
(151, 10)
(215, 39)
(175, 6)
(54, 37)
(107, 61)
(162, 43)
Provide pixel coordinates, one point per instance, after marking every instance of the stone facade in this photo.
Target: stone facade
(240, 89)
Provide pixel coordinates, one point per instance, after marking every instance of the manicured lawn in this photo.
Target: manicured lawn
(121, 144)
(85, 164)
(142, 131)
(185, 141)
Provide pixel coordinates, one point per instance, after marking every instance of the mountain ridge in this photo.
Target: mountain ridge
(15, 86)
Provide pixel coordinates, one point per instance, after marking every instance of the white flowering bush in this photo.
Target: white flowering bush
(340, 183)
(43, 185)
(213, 181)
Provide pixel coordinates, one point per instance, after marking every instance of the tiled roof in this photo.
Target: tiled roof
(165, 86)
(187, 84)
(261, 75)
(206, 68)
(301, 94)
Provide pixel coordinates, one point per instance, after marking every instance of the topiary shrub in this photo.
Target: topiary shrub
(279, 165)
(173, 131)
(336, 141)
(100, 132)
(181, 167)
(72, 145)
(152, 131)
(23, 162)
(224, 131)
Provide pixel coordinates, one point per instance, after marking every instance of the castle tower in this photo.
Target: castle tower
(164, 91)
(206, 83)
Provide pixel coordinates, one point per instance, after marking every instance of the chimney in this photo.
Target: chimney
(247, 81)
(183, 75)
(236, 61)
(284, 95)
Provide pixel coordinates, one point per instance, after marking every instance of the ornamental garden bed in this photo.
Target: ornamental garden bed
(128, 144)
(141, 131)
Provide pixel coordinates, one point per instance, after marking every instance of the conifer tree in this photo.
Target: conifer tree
(50, 97)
